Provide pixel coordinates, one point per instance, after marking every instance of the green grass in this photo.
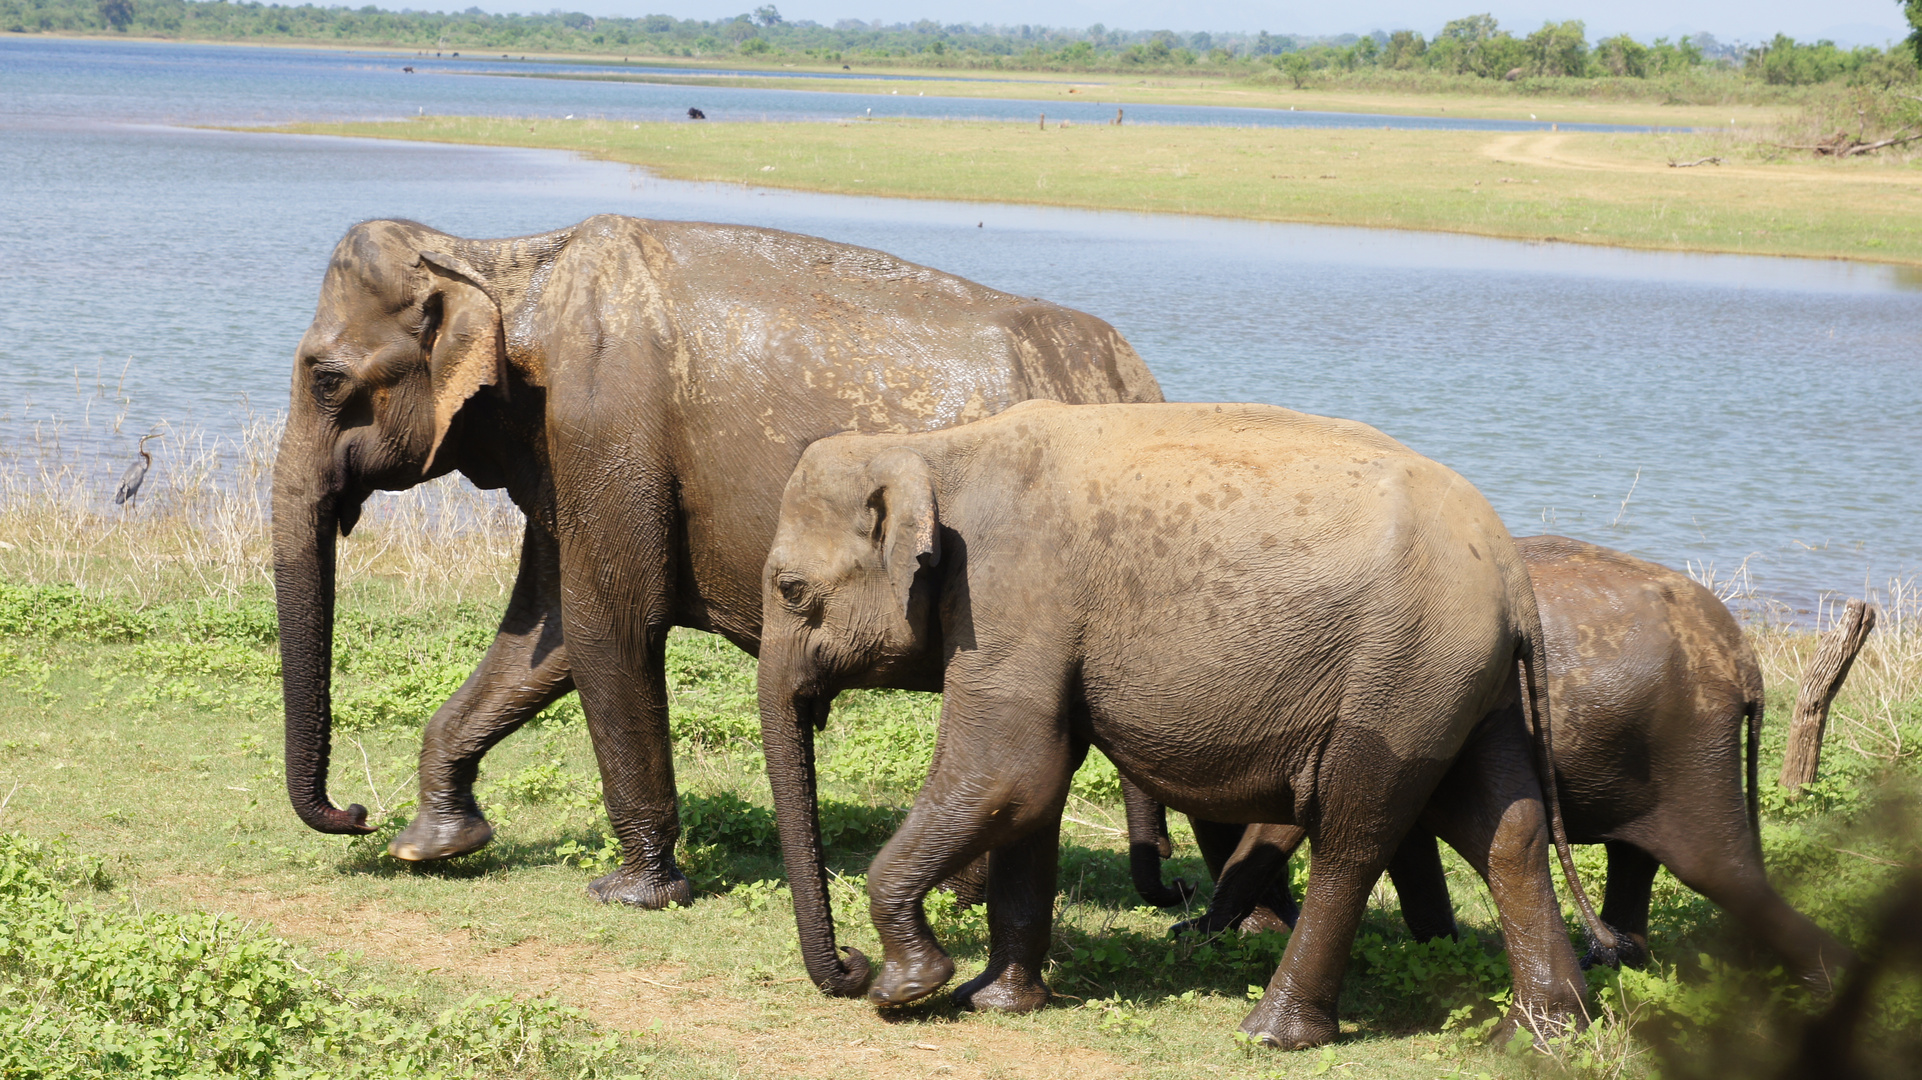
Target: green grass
(140, 742)
(1604, 189)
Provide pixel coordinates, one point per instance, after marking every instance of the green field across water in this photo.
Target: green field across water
(1580, 187)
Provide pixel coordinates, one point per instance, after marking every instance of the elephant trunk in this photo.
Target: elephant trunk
(306, 520)
(788, 721)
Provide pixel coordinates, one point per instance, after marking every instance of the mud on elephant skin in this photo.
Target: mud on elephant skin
(1256, 614)
(1652, 683)
(642, 390)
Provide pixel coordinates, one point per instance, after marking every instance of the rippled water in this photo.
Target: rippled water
(1768, 409)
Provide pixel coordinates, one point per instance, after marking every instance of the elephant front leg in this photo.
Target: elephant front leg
(1001, 777)
(1021, 888)
(525, 670)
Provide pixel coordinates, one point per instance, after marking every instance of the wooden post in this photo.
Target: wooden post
(1820, 682)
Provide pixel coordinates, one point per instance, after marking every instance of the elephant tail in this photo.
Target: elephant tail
(1603, 945)
(1753, 711)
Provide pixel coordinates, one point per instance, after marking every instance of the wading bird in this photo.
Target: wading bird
(137, 472)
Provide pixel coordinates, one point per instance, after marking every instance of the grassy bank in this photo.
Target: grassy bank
(139, 723)
(1573, 187)
(1702, 103)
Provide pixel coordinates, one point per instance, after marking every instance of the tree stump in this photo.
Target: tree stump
(1820, 682)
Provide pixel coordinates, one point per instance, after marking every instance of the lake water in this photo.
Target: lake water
(88, 80)
(1759, 409)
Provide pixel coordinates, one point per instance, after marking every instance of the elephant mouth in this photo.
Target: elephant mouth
(812, 708)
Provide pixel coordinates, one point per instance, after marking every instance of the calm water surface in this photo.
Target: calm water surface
(1766, 409)
(80, 81)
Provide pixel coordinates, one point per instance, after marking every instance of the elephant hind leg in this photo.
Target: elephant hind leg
(1631, 879)
(1252, 889)
(1365, 799)
(1422, 886)
(1730, 874)
(1148, 844)
(1489, 808)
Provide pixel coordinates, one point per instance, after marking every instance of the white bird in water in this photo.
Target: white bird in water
(136, 473)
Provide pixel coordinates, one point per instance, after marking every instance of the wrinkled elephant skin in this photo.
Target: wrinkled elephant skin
(642, 390)
(1253, 612)
(1651, 682)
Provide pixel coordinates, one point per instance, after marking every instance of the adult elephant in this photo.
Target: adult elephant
(1651, 683)
(641, 389)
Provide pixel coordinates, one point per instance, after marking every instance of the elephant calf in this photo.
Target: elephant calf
(1257, 614)
(1651, 681)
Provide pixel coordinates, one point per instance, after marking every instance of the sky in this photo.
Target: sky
(1850, 22)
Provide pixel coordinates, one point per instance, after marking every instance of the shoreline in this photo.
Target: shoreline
(1150, 88)
(1607, 190)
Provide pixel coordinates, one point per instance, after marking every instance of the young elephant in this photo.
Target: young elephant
(1651, 682)
(1257, 614)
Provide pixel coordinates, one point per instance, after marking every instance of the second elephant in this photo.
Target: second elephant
(1253, 612)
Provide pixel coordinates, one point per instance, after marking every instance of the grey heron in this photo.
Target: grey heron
(131, 479)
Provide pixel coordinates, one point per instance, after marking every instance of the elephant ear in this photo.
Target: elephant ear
(906, 524)
(467, 352)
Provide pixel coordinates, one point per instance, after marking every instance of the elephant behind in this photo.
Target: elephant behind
(1651, 682)
(642, 390)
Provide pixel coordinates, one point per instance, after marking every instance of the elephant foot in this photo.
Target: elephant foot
(1539, 1025)
(905, 982)
(433, 835)
(1008, 992)
(649, 889)
(1176, 894)
(1290, 1029)
(1631, 950)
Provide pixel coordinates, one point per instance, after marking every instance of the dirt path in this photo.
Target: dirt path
(791, 1029)
(1560, 150)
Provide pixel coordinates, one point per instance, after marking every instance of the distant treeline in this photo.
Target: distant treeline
(1471, 46)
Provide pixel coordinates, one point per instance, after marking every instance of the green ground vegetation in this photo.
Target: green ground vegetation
(162, 913)
(1616, 189)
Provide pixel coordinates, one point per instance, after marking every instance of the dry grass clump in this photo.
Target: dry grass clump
(201, 523)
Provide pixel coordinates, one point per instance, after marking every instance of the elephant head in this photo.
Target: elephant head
(409, 329)
(847, 598)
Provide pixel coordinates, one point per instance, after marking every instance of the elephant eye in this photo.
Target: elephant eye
(794, 591)
(327, 383)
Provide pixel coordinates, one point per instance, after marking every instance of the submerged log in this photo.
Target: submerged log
(1820, 682)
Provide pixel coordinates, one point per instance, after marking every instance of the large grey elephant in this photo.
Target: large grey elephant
(1651, 681)
(641, 389)
(1258, 615)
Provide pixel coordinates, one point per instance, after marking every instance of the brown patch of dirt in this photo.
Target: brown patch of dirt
(1562, 150)
(800, 1035)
